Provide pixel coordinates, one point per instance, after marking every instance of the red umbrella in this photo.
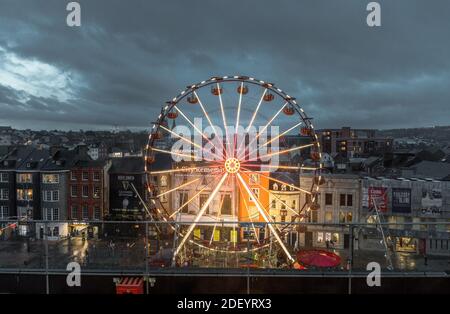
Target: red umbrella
(318, 258)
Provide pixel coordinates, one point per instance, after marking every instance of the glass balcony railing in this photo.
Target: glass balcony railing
(146, 247)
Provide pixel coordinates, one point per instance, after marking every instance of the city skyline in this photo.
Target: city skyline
(126, 60)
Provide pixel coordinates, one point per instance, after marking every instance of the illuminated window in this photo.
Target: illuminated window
(255, 191)
(328, 216)
(96, 191)
(254, 178)
(50, 178)
(24, 177)
(319, 237)
(25, 194)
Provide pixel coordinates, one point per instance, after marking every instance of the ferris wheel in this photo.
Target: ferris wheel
(226, 138)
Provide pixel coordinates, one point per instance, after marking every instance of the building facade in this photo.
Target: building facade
(338, 203)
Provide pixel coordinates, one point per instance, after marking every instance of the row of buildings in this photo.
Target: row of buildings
(59, 184)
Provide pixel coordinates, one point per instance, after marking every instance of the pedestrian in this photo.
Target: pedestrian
(327, 244)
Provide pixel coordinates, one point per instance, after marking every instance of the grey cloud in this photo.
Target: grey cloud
(132, 56)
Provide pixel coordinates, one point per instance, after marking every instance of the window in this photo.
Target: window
(183, 198)
(255, 191)
(203, 199)
(96, 176)
(342, 200)
(283, 214)
(294, 204)
(328, 216)
(25, 194)
(55, 213)
(51, 196)
(226, 205)
(85, 191)
(75, 213)
(254, 178)
(283, 187)
(97, 213)
(56, 231)
(96, 191)
(163, 180)
(319, 237)
(341, 217)
(313, 216)
(349, 216)
(4, 194)
(4, 177)
(24, 178)
(328, 199)
(85, 212)
(349, 200)
(73, 190)
(50, 178)
(274, 204)
(73, 176)
(4, 212)
(85, 176)
(283, 204)
(48, 214)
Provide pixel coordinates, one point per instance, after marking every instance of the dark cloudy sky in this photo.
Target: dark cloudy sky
(129, 57)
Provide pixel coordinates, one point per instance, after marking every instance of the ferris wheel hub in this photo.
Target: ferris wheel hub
(232, 165)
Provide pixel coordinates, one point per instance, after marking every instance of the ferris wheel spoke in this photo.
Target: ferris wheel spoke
(177, 188)
(200, 214)
(277, 180)
(248, 212)
(208, 118)
(280, 135)
(237, 118)
(279, 166)
(185, 139)
(282, 202)
(287, 150)
(191, 199)
(266, 218)
(224, 119)
(252, 119)
(190, 156)
(264, 128)
(217, 218)
(197, 129)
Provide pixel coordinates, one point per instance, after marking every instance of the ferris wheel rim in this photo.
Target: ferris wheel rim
(191, 89)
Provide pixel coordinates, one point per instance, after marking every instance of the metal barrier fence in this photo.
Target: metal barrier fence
(147, 246)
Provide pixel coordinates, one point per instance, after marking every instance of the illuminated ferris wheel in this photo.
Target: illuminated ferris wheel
(227, 139)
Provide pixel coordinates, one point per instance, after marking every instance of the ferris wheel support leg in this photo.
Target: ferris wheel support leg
(266, 219)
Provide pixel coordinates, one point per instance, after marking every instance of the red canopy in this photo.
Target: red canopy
(318, 258)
